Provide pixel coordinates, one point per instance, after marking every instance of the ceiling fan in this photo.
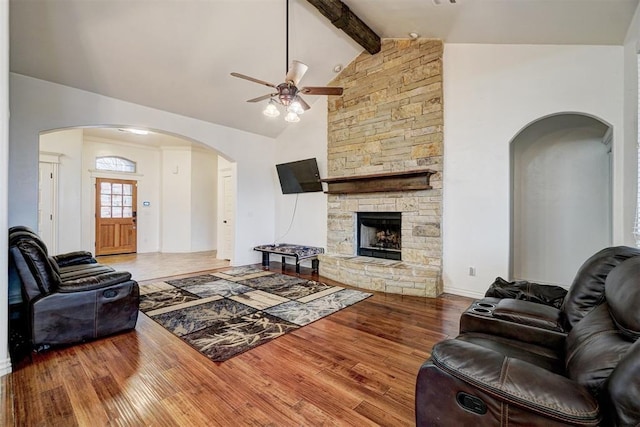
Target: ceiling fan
(287, 93)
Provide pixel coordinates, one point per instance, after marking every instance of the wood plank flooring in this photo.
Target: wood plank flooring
(354, 368)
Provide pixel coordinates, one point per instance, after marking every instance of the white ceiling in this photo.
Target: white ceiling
(177, 55)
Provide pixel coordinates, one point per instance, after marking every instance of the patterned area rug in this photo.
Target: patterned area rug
(224, 314)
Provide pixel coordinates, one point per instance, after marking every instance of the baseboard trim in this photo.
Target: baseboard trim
(5, 367)
(463, 292)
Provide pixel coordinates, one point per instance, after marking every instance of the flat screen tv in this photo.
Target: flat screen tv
(301, 176)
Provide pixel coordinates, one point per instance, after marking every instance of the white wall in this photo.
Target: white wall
(5, 362)
(38, 106)
(204, 194)
(303, 140)
(147, 175)
(561, 198)
(491, 93)
(189, 196)
(631, 51)
(69, 144)
(176, 199)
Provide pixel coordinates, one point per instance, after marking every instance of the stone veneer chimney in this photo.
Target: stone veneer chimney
(389, 119)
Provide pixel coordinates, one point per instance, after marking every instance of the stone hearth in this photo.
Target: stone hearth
(389, 119)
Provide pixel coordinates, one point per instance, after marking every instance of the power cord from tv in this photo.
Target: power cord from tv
(293, 215)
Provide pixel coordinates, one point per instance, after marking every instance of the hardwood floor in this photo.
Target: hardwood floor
(356, 367)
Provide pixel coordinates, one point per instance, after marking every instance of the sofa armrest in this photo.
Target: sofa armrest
(518, 320)
(94, 282)
(530, 314)
(517, 382)
(73, 258)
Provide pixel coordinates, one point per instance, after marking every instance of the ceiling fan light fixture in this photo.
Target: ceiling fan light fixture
(271, 110)
(291, 117)
(287, 94)
(296, 107)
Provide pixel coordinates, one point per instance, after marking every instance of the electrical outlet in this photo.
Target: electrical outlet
(472, 271)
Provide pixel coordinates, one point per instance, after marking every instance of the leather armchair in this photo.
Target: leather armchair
(70, 298)
(590, 377)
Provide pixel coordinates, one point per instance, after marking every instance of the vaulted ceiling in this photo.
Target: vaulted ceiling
(177, 55)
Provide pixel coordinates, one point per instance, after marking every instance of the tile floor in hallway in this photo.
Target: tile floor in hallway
(154, 265)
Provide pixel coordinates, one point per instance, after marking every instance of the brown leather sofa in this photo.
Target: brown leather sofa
(69, 298)
(534, 366)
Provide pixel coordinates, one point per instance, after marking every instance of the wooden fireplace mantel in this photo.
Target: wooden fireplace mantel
(380, 182)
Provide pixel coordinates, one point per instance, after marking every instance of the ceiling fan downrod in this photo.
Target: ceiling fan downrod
(286, 64)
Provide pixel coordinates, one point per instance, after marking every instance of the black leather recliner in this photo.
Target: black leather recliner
(586, 376)
(70, 298)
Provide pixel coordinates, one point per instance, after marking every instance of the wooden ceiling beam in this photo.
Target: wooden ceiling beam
(342, 17)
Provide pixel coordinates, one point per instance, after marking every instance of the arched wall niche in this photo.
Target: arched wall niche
(561, 196)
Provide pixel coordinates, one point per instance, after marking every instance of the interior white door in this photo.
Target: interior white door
(228, 215)
(47, 218)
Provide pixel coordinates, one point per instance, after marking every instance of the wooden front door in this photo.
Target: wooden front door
(115, 216)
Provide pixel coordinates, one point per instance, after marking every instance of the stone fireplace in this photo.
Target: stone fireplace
(384, 138)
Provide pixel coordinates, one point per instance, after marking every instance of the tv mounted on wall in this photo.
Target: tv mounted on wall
(301, 176)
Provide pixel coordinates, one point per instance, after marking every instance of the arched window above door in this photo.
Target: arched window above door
(116, 164)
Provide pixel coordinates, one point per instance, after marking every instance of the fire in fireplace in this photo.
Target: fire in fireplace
(379, 234)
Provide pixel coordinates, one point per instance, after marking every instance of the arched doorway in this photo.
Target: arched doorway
(176, 178)
(560, 196)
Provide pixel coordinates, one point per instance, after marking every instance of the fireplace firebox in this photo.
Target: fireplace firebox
(379, 234)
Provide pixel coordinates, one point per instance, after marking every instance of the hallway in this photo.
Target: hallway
(155, 265)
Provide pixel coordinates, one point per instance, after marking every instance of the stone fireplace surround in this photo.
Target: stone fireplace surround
(419, 272)
(389, 119)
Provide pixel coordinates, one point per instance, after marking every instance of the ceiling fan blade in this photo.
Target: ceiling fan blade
(262, 98)
(296, 72)
(251, 79)
(321, 90)
(303, 103)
